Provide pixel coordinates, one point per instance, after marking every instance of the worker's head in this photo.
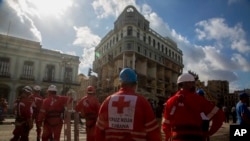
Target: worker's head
(36, 89)
(243, 96)
(90, 90)
(186, 81)
(128, 77)
(52, 89)
(26, 91)
(200, 92)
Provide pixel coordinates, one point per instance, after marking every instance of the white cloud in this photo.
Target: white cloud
(233, 1)
(86, 39)
(241, 62)
(106, 8)
(216, 29)
(20, 21)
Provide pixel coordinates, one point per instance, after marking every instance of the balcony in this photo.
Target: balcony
(4, 74)
(60, 81)
(27, 77)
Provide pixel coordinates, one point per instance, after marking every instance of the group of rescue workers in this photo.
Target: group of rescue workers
(122, 116)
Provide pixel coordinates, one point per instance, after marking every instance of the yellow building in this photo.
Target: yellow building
(132, 43)
(218, 88)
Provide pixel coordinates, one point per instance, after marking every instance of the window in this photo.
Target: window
(4, 67)
(144, 37)
(68, 74)
(28, 70)
(138, 33)
(149, 40)
(121, 34)
(129, 46)
(139, 49)
(130, 31)
(50, 73)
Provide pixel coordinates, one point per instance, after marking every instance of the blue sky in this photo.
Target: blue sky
(214, 35)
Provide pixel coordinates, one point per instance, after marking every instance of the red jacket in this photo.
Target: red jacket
(127, 116)
(23, 110)
(52, 109)
(37, 104)
(182, 115)
(88, 107)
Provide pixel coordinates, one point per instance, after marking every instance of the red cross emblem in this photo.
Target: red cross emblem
(120, 104)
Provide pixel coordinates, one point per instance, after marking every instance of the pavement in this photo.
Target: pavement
(7, 127)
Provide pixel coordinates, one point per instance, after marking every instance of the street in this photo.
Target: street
(7, 127)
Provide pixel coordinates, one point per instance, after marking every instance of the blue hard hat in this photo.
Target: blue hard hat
(128, 75)
(200, 92)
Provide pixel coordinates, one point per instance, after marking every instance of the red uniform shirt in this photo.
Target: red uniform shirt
(23, 109)
(88, 106)
(127, 116)
(52, 109)
(37, 104)
(184, 112)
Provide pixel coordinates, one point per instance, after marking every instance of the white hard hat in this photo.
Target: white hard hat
(52, 88)
(185, 77)
(27, 89)
(37, 88)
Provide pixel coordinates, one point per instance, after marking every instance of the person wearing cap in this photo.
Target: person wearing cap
(88, 108)
(185, 112)
(36, 106)
(23, 111)
(243, 113)
(126, 115)
(51, 114)
(200, 92)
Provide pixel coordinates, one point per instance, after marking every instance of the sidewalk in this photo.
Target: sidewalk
(7, 127)
(222, 134)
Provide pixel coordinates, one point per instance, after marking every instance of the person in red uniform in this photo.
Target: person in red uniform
(51, 114)
(23, 111)
(88, 108)
(36, 105)
(126, 115)
(185, 111)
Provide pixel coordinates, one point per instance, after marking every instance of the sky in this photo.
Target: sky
(214, 35)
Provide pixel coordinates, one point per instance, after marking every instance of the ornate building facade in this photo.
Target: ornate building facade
(24, 62)
(132, 43)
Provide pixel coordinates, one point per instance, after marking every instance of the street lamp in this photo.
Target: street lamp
(66, 75)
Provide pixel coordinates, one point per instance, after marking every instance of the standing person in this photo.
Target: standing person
(36, 106)
(205, 121)
(51, 114)
(226, 112)
(125, 115)
(3, 109)
(243, 113)
(185, 111)
(23, 111)
(200, 92)
(88, 108)
(234, 115)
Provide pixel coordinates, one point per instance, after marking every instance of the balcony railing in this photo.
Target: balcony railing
(60, 81)
(27, 77)
(5, 74)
